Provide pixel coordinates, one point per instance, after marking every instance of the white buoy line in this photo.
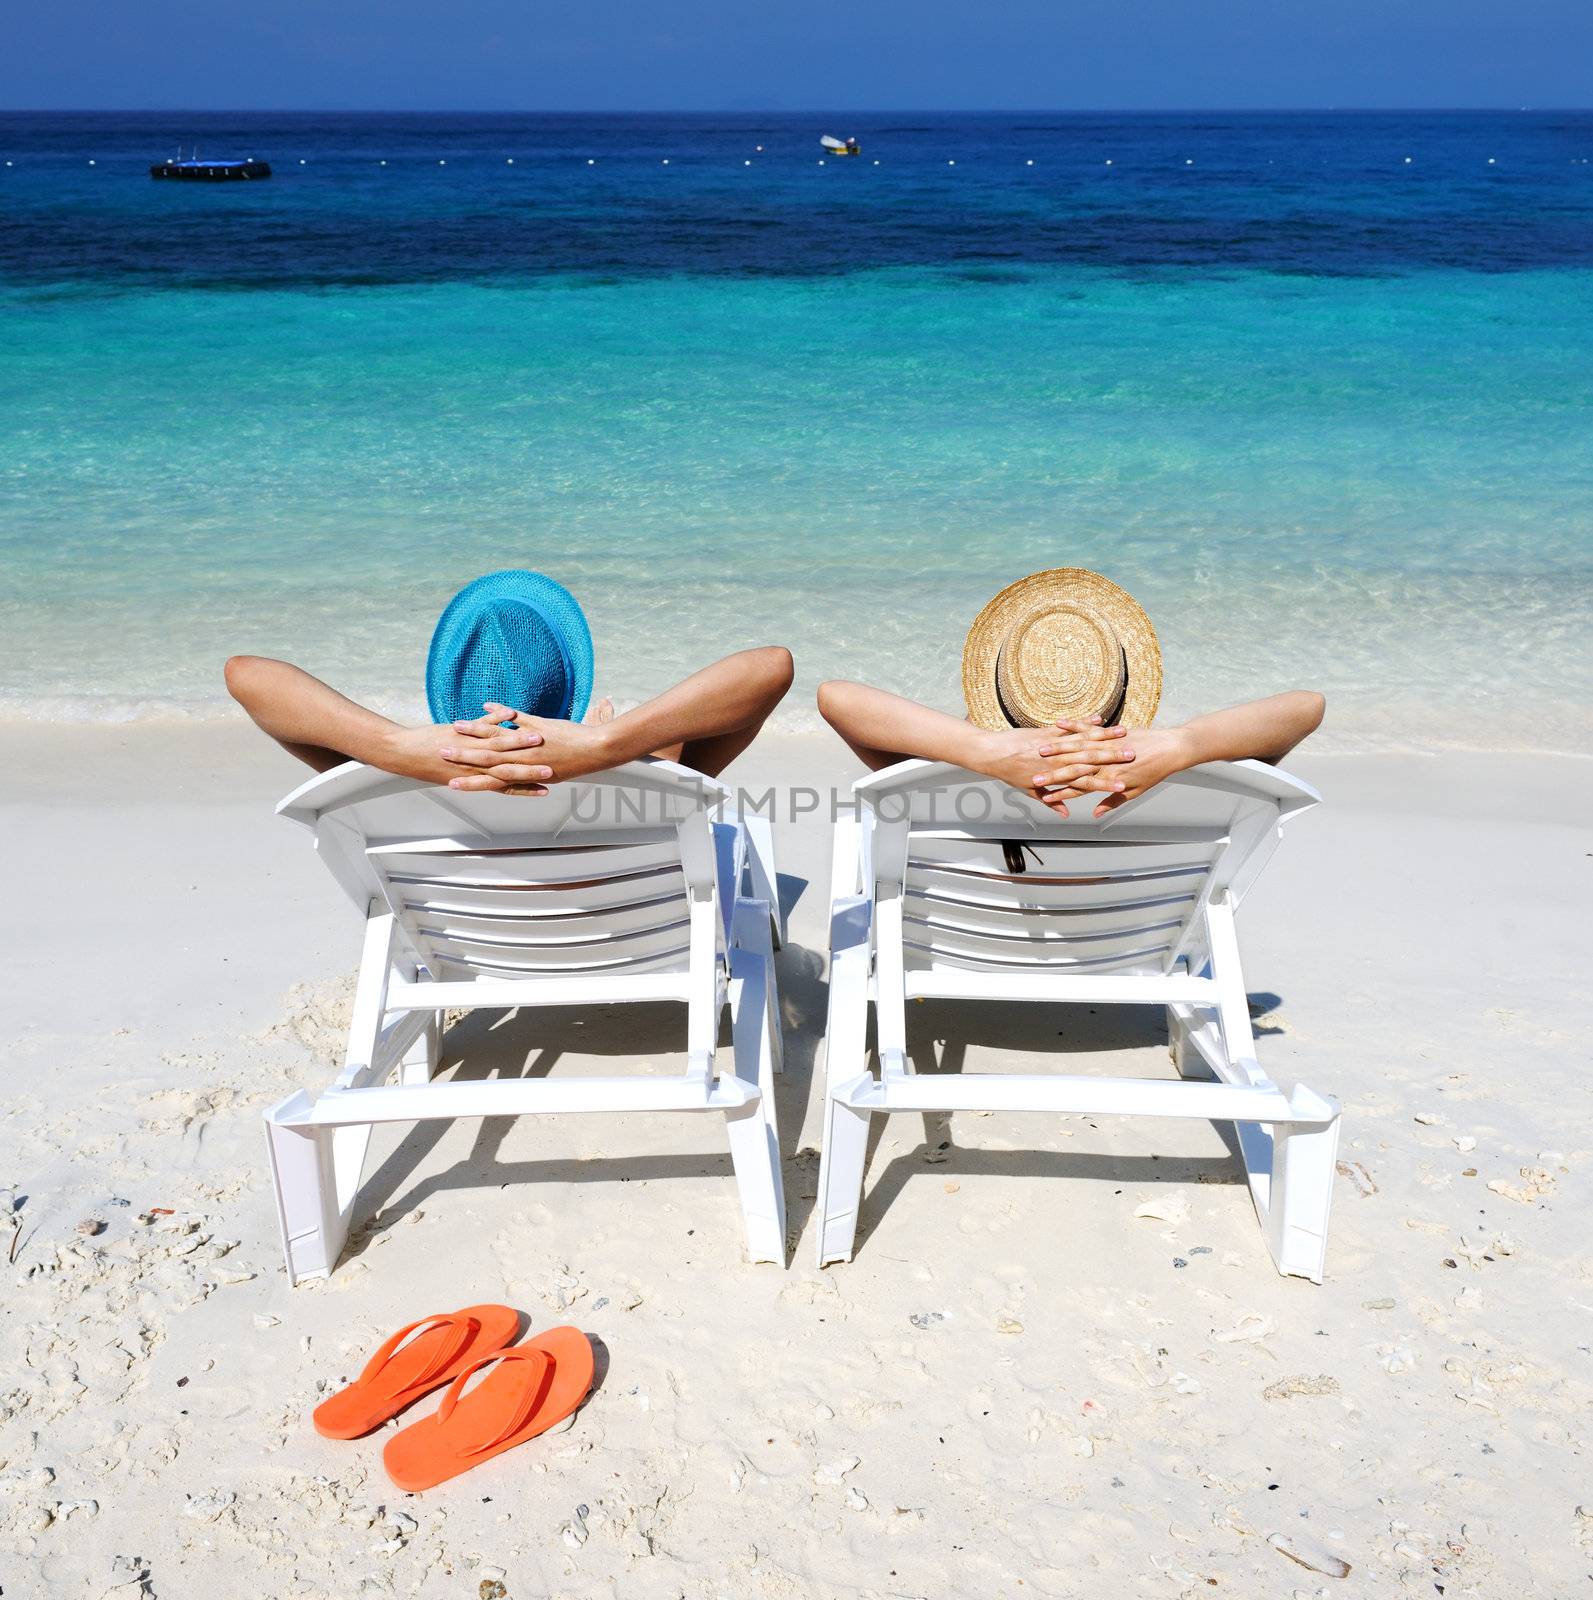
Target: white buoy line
(951, 161)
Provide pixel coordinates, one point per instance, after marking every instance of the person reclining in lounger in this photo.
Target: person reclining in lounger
(1062, 675)
(515, 647)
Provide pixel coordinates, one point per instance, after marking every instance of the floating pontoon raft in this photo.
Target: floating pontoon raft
(195, 171)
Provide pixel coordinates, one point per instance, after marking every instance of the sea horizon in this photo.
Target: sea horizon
(396, 112)
(1317, 393)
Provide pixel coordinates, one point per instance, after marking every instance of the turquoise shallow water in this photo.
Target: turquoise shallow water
(1380, 484)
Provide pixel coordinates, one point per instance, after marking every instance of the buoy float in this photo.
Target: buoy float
(1407, 161)
(590, 162)
(666, 161)
(746, 163)
(758, 147)
(1189, 163)
(509, 162)
(91, 161)
(1490, 161)
(1029, 162)
(951, 163)
(442, 163)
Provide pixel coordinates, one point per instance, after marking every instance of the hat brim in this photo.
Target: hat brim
(1076, 586)
(559, 609)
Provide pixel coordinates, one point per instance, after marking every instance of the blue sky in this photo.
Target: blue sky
(745, 55)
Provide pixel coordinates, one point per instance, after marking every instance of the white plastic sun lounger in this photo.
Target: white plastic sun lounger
(618, 887)
(1136, 908)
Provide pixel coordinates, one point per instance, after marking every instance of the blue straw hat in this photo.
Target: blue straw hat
(515, 637)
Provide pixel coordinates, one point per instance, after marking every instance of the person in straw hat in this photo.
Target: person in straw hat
(1062, 675)
(509, 684)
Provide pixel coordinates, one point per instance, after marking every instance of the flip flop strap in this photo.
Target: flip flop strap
(465, 1329)
(525, 1401)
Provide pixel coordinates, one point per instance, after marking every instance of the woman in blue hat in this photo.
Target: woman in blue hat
(508, 683)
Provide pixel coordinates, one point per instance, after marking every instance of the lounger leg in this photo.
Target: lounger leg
(1301, 1196)
(756, 1158)
(845, 1151)
(1177, 1041)
(771, 1007)
(1182, 1022)
(419, 1064)
(753, 931)
(303, 1168)
(761, 871)
(753, 1035)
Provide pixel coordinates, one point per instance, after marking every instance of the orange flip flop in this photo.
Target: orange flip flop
(535, 1385)
(442, 1347)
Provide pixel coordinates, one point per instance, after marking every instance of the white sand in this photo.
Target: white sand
(1015, 1389)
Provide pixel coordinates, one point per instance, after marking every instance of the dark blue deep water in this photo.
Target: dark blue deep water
(1302, 193)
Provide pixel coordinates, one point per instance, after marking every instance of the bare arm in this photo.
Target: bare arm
(1258, 730)
(323, 728)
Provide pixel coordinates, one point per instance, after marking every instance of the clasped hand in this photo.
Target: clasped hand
(1053, 765)
(524, 759)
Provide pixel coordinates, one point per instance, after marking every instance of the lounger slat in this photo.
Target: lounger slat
(1023, 942)
(551, 869)
(512, 898)
(1041, 916)
(1049, 858)
(1143, 957)
(1052, 886)
(599, 853)
(504, 935)
(547, 925)
(595, 955)
(452, 970)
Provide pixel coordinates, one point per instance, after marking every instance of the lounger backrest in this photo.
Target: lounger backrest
(597, 877)
(1118, 894)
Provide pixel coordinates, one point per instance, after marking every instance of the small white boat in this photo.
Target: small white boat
(841, 147)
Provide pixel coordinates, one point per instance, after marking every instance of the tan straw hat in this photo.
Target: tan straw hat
(1061, 643)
